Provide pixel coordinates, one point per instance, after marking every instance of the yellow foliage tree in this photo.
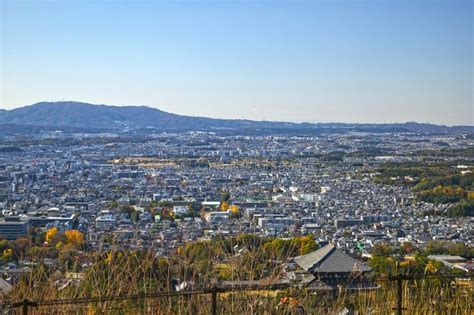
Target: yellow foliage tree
(74, 237)
(50, 234)
(430, 268)
(224, 206)
(234, 209)
(470, 195)
(7, 253)
(306, 244)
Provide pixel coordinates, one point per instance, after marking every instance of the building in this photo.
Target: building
(329, 268)
(4, 183)
(453, 262)
(217, 217)
(106, 221)
(13, 227)
(346, 222)
(367, 219)
(43, 221)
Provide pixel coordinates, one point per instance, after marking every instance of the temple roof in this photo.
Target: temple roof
(329, 259)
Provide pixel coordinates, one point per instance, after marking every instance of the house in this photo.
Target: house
(452, 262)
(106, 222)
(329, 268)
(180, 210)
(217, 217)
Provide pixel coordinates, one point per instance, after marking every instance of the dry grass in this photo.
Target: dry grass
(140, 275)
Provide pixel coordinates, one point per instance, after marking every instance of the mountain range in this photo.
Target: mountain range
(86, 116)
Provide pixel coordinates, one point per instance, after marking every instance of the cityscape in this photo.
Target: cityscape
(152, 191)
(257, 157)
(382, 201)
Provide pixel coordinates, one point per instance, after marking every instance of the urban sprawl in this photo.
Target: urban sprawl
(164, 190)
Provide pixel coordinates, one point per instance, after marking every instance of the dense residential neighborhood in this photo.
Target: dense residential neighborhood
(236, 157)
(169, 189)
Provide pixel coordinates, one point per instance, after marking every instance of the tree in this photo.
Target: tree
(462, 209)
(431, 268)
(152, 206)
(127, 209)
(382, 265)
(449, 248)
(4, 244)
(381, 249)
(7, 253)
(306, 244)
(134, 216)
(407, 248)
(21, 246)
(166, 213)
(225, 196)
(470, 195)
(37, 236)
(224, 206)
(74, 237)
(234, 209)
(67, 255)
(50, 234)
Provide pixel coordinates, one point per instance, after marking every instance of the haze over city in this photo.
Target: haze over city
(316, 61)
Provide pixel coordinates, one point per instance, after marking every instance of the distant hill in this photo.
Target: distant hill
(127, 118)
(83, 115)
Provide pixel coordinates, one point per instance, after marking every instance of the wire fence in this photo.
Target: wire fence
(392, 295)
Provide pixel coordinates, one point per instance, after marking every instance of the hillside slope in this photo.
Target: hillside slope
(123, 118)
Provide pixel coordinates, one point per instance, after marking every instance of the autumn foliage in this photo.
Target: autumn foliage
(74, 237)
(50, 234)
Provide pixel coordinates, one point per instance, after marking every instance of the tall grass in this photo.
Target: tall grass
(138, 276)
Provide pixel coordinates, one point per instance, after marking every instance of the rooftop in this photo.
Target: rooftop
(329, 259)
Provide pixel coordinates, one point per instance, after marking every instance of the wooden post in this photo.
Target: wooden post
(399, 295)
(24, 307)
(214, 302)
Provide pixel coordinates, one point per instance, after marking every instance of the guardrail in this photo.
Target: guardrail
(28, 306)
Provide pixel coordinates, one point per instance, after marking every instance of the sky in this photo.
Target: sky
(314, 61)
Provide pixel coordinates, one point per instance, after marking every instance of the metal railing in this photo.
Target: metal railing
(207, 300)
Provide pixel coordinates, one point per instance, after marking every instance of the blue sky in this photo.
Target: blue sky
(317, 61)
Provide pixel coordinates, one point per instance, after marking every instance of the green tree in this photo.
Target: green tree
(382, 249)
(113, 204)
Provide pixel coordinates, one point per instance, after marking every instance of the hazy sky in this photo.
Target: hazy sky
(318, 61)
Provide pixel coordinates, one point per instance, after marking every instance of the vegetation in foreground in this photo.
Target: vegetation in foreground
(63, 269)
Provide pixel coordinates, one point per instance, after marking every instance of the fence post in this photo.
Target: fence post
(24, 307)
(399, 295)
(214, 301)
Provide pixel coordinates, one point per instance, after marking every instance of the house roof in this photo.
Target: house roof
(329, 259)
